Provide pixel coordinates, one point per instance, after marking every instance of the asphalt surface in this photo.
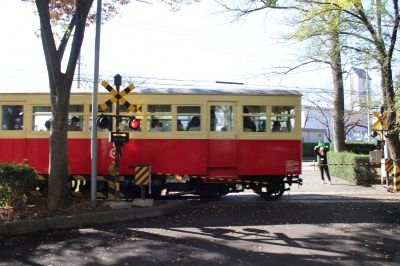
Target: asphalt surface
(338, 224)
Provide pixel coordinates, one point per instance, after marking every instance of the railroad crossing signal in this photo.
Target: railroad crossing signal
(119, 96)
(381, 122)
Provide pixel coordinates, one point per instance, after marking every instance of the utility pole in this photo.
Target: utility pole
(368, 105)
(79, 72)
(93, 177)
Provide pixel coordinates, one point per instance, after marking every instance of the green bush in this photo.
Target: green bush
(15, 182)
(6, 194)
(352, 167)
(354, 147)
(360, 147)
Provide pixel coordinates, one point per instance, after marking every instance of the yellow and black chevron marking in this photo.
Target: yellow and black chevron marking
(101, 194)
(388, 165)
(134, 108)
(77, 183)
(142, 175)
(118, 96)
(36, 192)
(101, 178)
(396, 178)
(114, 191)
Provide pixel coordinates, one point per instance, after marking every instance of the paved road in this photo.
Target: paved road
(316, 224)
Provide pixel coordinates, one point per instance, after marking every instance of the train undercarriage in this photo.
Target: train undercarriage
(268, 187)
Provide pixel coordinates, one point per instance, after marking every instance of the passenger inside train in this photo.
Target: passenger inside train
(248, 125)
(276, 126)
(194, 124)
(156, 125)
(74, 124)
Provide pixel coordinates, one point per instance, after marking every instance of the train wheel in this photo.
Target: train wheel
(273, 191)
(209, 192)
(155, 193)
(157, 185)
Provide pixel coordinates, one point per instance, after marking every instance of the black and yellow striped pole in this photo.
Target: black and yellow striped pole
(396, 176)
(386, 168)
(113, 182)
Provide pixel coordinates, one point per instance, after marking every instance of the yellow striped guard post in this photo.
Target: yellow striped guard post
(396, 178)
(386, 167)
(113, 182)
(142, 175)
(113, 190)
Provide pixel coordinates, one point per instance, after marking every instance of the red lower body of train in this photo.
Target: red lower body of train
(208, 167)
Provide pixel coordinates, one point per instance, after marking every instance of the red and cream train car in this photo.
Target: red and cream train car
(206, 141)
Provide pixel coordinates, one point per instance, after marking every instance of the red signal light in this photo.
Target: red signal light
(134, 124)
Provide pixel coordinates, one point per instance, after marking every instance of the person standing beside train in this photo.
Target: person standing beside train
(322, 158)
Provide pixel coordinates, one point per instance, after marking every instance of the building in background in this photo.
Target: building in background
(318, 121)
(359, 101)
(360, 88)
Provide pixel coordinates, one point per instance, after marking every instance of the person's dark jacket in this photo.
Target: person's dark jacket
(321, 158)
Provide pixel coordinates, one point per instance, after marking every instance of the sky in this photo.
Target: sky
(150, 45)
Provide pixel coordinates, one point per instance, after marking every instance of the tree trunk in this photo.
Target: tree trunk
(60, 89)
(389, 102)
(58, 157)
(338, 93)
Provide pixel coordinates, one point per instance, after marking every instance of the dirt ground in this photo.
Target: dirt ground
(38, 209)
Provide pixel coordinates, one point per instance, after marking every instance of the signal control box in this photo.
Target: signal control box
(118, 137)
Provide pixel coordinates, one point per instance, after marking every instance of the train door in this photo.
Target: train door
(222, 162)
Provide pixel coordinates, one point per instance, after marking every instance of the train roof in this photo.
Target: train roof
(194, 91)
(234, 91)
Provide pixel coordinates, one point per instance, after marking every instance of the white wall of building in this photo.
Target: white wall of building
(357, 92)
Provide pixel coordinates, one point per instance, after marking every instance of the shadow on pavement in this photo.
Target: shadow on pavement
(222, 233)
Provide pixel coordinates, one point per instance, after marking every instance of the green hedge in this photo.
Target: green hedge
(354, 147)
(360, 147)
(16, 180)
(352, 167)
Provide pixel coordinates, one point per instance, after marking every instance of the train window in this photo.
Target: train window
(41, 118)
(221, 118)
(127, 122)
(283, 110)
(283, 119)
(152, 108)
(75, 108)
(254, 117)
(109, 109)
(134, 108)
(75, 118)
(160, 118)
(282, 124)
(188, 118)
(12, 117)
